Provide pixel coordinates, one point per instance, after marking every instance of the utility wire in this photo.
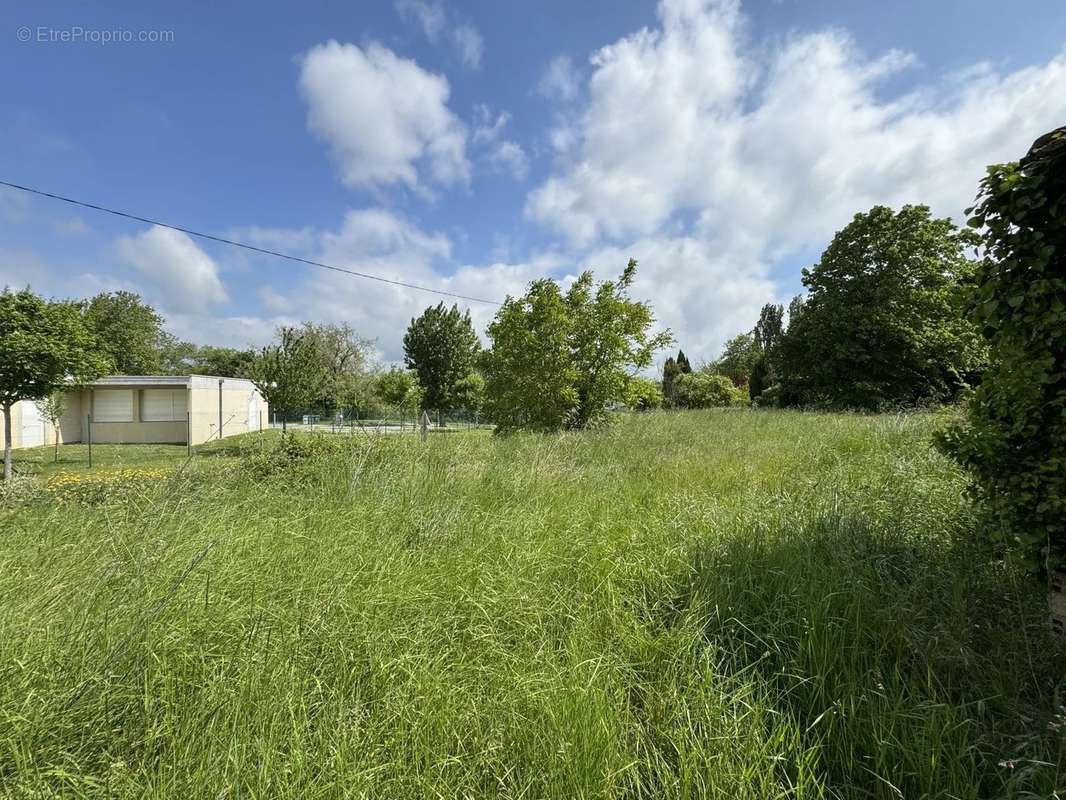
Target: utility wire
(253, 248)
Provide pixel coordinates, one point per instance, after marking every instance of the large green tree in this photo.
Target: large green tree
(128, 331)
(1014, 437)
(739, 355)
(343, 358)
(44, 347)
(883, 323)
(289, 372)
(442, 348)
(563, 360)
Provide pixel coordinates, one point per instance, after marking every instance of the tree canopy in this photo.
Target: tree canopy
(289, 372)
(562, 360)
(442, 348)
(128, 331)
(44, 346)
(883, 321)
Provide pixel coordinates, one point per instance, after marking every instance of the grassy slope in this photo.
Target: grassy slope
(702, 605)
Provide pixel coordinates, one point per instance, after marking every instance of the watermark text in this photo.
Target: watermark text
(76, 34)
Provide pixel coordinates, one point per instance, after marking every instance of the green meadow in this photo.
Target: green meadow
(717, 604)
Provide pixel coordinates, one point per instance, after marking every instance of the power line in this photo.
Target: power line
(253, 248)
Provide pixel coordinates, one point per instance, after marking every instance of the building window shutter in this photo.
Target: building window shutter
(113, 405)
(163, 405)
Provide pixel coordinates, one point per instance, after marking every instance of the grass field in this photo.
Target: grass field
(709, 604)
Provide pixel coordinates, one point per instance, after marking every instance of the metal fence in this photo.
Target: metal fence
(378, 419)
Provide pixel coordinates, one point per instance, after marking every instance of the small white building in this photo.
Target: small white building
(160, 409)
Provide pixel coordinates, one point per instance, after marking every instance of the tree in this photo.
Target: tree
(883, 322)
(342, 363)
(1013, 440)
(226, 362)
(670, 373)
(177, 357)
(469, 393)
(770, 327)
(128, 330)
(52, 408)
(643, 394)
(738, 358)
(683, 367)
(562, 360)
(441, 347)
(289, 373)
(671, 369)
(43, 348)
(531, 379)
(706, 390)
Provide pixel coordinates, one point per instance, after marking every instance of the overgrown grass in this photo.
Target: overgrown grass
(712, 604)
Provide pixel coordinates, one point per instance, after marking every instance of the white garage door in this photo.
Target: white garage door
(32, 425)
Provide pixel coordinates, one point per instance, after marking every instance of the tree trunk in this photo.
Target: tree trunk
(7, 441)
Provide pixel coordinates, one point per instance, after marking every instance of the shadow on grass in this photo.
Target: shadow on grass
(912, 668)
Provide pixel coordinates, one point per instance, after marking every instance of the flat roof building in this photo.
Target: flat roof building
(159, 409)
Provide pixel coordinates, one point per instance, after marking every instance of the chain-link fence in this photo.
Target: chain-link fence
(377, 419)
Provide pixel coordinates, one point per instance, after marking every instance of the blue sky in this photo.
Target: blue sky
(475, 146)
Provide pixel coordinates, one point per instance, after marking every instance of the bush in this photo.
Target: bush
(643, 394)
(703, 390)
(1014, 438)
(293, 453)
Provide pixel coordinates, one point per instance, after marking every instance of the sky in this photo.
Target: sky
(474, 147)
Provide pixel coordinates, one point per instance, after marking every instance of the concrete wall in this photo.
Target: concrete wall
(70, 424)
(240, 400)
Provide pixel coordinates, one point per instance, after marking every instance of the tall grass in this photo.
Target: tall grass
(718, 604)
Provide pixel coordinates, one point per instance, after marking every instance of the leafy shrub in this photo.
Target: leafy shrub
(643, 394)
(703, 390)
(1014, 438)
(292, 453)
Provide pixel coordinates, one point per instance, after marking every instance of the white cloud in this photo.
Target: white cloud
(431, 17)
(184, 277)
(469, 44)
(561, 80)
(378, 242)
(730, 155)
(384, 117)
(503, 154)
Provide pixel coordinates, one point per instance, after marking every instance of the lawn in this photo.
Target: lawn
(725, 604)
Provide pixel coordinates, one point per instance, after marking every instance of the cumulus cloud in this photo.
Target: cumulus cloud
(185, 278)
(433, 20)
(732, 156)
(385, 118)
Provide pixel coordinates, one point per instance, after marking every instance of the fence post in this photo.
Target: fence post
(260, 421)
(188, 433)
(89, 426)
